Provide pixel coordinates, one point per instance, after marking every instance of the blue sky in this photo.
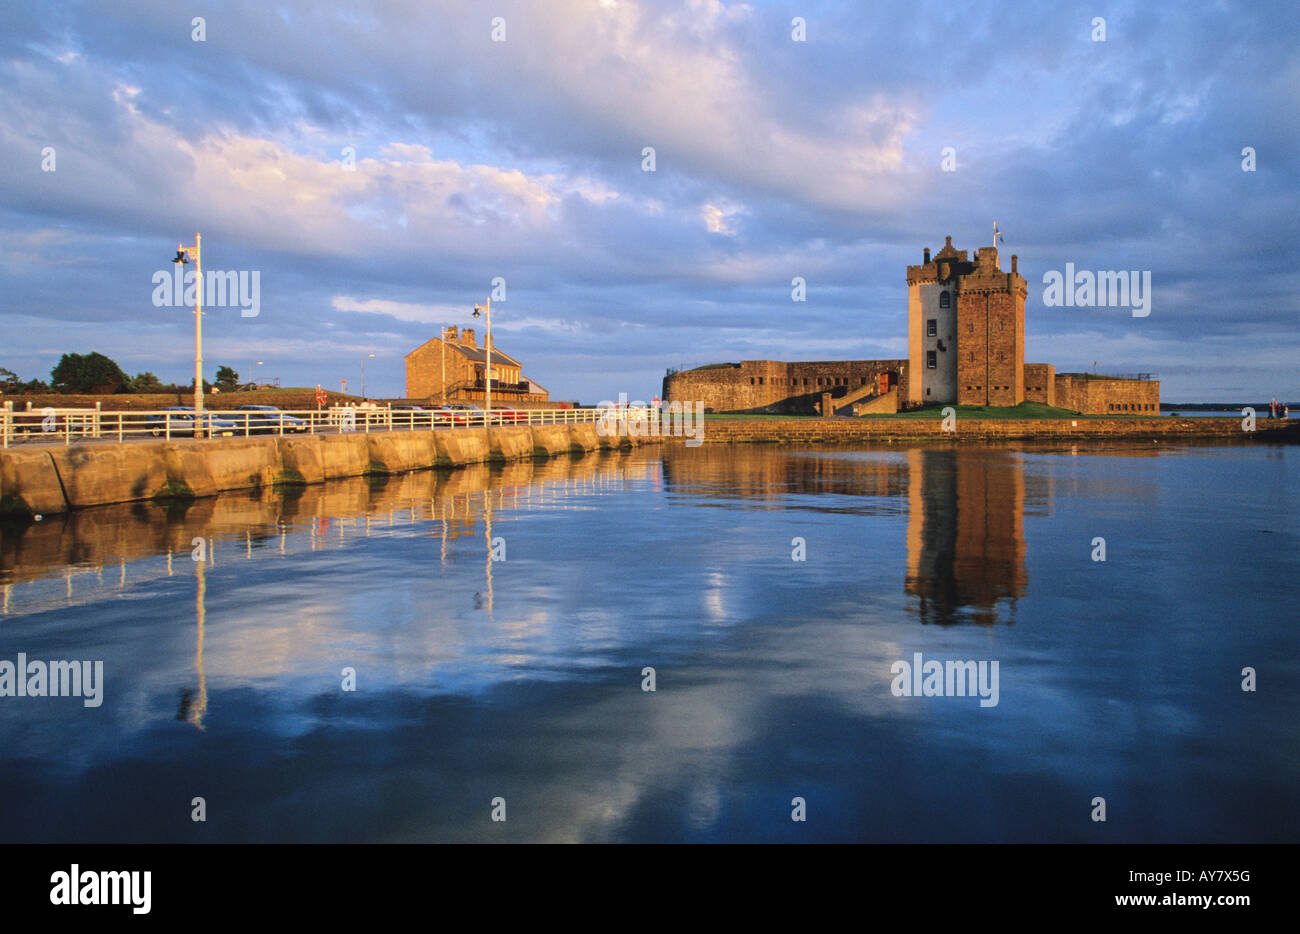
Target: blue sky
(523, 159)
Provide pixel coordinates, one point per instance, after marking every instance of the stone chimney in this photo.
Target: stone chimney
(927, 256)
(451, 334)
(1014, 258)
(467, 337)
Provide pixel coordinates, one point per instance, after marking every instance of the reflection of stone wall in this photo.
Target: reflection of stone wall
(754, 474)
(756, 384)
(887, 430)
(1104, 395)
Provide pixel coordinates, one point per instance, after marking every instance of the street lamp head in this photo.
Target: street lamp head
(476, 311)
(180, 256)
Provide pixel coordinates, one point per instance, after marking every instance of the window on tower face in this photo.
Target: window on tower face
(931, 327)
(931, 360)
(945, 300)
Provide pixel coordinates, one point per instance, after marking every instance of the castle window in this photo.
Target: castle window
(972, 327)
(971, 356)
(1000, 355)
(751, 381)
(945, 300)
(760, 381)
(931, 328)
(931, 360)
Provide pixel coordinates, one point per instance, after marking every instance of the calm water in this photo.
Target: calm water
(522, 678)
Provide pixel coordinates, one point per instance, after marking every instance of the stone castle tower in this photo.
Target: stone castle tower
(965, 329)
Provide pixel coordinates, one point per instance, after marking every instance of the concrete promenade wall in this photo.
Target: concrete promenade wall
(889, 430)
(53, 479)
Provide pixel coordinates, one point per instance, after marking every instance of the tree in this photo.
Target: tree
(88, 373)
(227, 379)
(9, 380)
(146, 382)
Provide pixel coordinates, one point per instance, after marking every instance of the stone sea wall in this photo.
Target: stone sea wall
(54, 479)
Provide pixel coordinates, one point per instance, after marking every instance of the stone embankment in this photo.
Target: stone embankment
(53, 479)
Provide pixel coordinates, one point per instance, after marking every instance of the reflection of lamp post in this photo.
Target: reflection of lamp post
(487, 356)
(487, 533)
(182, 257)
(363, 376)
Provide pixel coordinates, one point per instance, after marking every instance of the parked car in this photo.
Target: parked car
(441, 415)
(268, 418)
(468, 414)
(179, 419)
(411, 416)
(453, 415)
(508, 415)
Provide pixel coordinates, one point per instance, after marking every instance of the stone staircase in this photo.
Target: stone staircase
(869, 403)
(844, 404)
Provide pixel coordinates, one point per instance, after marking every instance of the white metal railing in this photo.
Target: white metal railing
(64, 426)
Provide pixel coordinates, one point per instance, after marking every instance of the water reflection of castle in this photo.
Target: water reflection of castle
(965, 511)
(965, 534)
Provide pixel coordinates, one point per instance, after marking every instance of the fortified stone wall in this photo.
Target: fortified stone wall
(1040, 383)
(1107, 395)
(758, 384)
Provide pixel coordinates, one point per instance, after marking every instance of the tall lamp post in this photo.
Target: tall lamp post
(363, 376)
(487, 356)
(183, 253)
(252, 380)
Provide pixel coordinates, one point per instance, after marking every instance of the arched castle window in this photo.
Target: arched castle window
(945, 299)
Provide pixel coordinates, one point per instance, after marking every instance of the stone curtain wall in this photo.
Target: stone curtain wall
(1040, 383)
(1094, 395)
(759, 384)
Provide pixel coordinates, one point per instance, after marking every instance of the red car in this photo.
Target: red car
(505, 415)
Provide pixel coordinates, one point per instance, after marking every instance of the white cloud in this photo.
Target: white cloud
(448, 314)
